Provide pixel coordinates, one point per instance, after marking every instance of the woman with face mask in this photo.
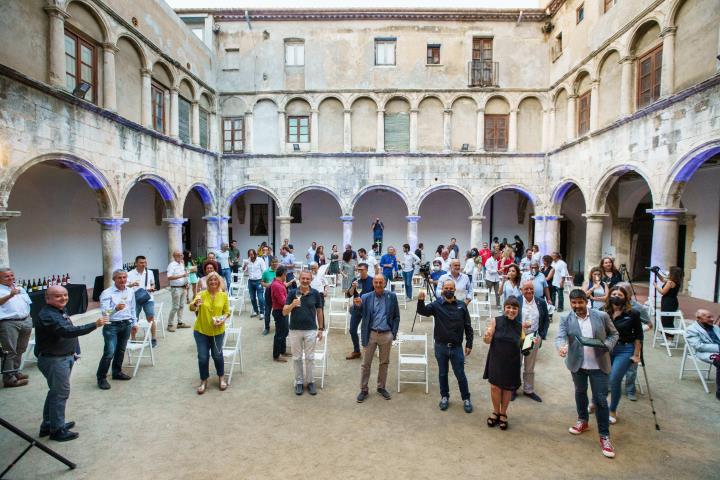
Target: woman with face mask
(627, 350)
(502, 368)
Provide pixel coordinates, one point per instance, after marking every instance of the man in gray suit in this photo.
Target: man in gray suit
(704, 338)
(378, 328)
(588, 363)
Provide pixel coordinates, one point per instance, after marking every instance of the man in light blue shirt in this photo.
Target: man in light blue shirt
(287, 258)
(539, 282)
(118, 304)
(15, 327)
(223, 258)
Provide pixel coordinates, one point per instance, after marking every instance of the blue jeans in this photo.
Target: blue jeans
(116, 335)
(621, 362)
(456, 357)
(630, 378)
(257, 296)
(407, 277)
(355, 319)
(57, 373)
(207, 346)
(599, 385)
(148, 308)
(225, 273)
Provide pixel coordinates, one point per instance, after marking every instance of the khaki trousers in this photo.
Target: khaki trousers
(384, 342)
(303, 341)
(528, 376)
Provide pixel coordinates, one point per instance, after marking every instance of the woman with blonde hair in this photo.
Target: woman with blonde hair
(507, 259)
(212, 307)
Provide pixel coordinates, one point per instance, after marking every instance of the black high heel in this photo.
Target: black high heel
(503, 424)
(493, 420)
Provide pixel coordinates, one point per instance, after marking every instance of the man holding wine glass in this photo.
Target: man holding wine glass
(118, 306)
(360, 285)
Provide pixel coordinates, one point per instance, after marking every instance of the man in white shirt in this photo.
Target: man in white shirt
(141, 277)
(178, 279)
(254, 268)
(453, 249)
(526, 260)
(444, 259)
(463, 288)
(310, 255)
(536, 254)
(15, 327)
(409, 261)
(287, 258)
(492, 276)
(370, 260)
(558, 282)
(319, 282)
(118, 304)
(223, 258)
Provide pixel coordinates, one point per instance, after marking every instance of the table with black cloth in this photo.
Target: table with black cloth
(99, 285)
(77, 300)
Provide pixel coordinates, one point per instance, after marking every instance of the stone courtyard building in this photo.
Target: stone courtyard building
(592, 128)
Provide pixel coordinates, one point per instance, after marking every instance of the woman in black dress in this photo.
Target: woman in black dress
(502, 368)
(610, 275)
(669, 291)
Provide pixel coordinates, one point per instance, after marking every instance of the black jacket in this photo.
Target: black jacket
(544, 321)
(55, 335)
(451, 319)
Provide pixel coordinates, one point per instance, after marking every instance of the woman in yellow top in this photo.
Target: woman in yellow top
(212, 309)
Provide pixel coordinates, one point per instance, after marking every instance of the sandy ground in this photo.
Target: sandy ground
(155, 426)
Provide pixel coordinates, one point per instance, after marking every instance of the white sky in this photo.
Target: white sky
(356, 3)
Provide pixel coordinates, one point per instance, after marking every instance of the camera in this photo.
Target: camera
(425, 268)
(654, 269)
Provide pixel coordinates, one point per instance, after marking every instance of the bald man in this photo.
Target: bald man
(704, 338)
(57, 348)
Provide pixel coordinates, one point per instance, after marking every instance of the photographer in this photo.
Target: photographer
(669, 291)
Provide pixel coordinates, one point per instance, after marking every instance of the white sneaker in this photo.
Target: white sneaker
(613, 420)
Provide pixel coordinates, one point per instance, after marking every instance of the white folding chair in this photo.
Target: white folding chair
(482, 293)
(232, 350)
(339, 315)
(321, 360)
(159, 319)
(475, 314)
(136, 348)
(399, 288)
(678, 330)
(29, 355)
(418, 282)
(698, 365)
(412, 359)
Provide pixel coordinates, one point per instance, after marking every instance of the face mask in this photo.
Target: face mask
(448, 294)
(617, 301)
(436, 267)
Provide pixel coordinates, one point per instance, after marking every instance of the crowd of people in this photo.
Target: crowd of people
(600, 339)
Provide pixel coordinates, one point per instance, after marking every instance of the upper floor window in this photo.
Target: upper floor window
(294, 54)
(557, 47)
(298, 129)
(204, 128)
(580, 13)
(80, 65)
(158, 108)
(496, 132)
(385, 51)
(184, 123)
(433, 54)
(608, 4)
(583, 113)
(233, 134)
(649, 70)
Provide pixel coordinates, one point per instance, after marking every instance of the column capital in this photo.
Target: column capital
(572, 96)
(248, 113)
(281, 112)
(55, 11)
(480, 110)
(595, 216)
(513, 111)
(666, 213)
(414, 110)
(224, 218)
(211, 218)
(284, 218)
(347, 111)
(448, 111)
(111, 223)
(546, 218)
(347, 218)
(110, 47)
(314, 111)
(668, 32)
(476, 218)
(595, 84)
(6, 215)
(380, 110)
(146, 72)
(627, 59)
(413, 218)
(175, 221)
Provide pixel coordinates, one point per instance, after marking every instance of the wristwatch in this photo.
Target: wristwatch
(321, 329)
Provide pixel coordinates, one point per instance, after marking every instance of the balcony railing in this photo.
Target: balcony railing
(482, 73)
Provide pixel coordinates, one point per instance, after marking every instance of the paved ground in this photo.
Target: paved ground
(155, 426)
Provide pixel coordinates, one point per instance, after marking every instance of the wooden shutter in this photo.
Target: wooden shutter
(583, 113)
(397, 132)
(184, 112)
(204, 134)
(649, 72)
(496, 132)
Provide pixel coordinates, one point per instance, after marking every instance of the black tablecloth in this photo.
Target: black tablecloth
(99, 285)
(77, 300)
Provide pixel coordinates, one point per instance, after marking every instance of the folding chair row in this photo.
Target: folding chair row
(412, 359)
(662, 333)
(698, 365)
(135, 349)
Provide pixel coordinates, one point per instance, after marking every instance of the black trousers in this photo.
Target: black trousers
(281, 333)
(268, 303)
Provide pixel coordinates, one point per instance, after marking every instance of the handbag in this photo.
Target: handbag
(142, 296)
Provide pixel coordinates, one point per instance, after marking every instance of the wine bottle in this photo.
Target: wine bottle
(33, 287)
(67, 279)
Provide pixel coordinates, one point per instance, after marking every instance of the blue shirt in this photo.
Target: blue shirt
(110, 297)
(289, 261)
(539, 283)
(379, 318)
(436, 274)
(388, 259)
(378, 230)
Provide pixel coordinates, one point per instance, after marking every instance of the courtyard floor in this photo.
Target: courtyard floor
(156, 427)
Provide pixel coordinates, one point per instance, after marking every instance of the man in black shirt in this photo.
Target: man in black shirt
(304, 305)
(451, 318)
(359, 286)
(57, 347)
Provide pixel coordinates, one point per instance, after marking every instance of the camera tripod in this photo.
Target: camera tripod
(429, 292)
(625, 275)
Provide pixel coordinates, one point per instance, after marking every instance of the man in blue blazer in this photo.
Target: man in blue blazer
(588, 363)
(534, 314)
(378, 328)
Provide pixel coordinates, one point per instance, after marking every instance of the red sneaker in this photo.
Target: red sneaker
(579, 427)
(607, 448)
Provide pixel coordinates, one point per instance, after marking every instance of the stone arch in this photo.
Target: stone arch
(530, 122)
(323, 188)
(167, 69)
(460, 96)
(559, 103)
(672, 12)
(162, 186)
(540, 98)
(320, 99)
(560, 190)
(683, 170)
(395, 96)
(130, 62)
(209, 99)
(463, 123)
(263, 98)
(378, 186)
(364, 123)
(496, 97)
(517, 187)
(98, 16)
(430, 118)
(139, 48)
(95, 179)
(603, 58)
(425, 96)
(444, 186)
(636, 34)
(579, 80)
(194, 91)
(205, 194)
(230, 198)
(608, 179)
(293, 98)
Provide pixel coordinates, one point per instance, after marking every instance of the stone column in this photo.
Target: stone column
(167, 103)
(146, 98)
(56, 46)
(111, 237)
(412, 231)
(109, 84)
(282, 130)
(5, 216)
(571, 128)
(314, 130)
(621, 240)
(552, 234)
(195, 133)
(347, 131)
(224, 230)
(347, 221)
(539, 238)
(593, 239)
(476, 233)
(545, 127)
(284, 227)
(212, 235)
(214, 140)
(380, 148)
(667, 79)
(512, 131)
(480, 131)
(594, 105)
(551, 130)
(447, 130)
(626, 85)
(174, 114)
(665, 236)
(174, 235)
(414, 130)
(248, 130)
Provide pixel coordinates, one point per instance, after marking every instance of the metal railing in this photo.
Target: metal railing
(483, 73)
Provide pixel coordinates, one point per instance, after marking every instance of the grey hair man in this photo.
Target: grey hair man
(704, 338)
(177, 277)
(15, 327)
